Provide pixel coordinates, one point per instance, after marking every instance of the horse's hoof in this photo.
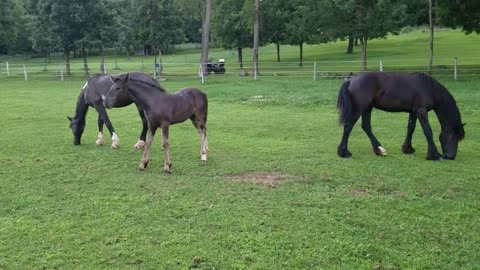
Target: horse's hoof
(408, 150)
(380, 151)
(139, 145)
(141, 168)
(204, 158)
(436, 156)
(167, 172)
(344, 153)
(99, 142)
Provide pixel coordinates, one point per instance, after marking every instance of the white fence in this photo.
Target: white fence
(449, 68)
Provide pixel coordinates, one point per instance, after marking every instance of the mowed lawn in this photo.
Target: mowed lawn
(273, 195)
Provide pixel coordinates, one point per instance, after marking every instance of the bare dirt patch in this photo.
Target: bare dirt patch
(359, 192)
(268, 179)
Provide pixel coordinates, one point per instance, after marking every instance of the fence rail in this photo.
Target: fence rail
(448, 68)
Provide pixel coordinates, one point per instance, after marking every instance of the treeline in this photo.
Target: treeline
(45, 26)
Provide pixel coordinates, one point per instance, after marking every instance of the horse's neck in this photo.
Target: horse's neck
(82, 107)
(139, 93)
(447, 111)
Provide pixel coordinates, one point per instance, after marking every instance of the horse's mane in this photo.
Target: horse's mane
(154, 83)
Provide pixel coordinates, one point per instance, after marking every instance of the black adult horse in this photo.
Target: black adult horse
(91, 95)
(395, 92)
(161, 110)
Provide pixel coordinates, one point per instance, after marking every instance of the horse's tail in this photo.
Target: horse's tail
(344, 103)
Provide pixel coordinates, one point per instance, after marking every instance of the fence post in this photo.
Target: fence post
(116, 64)
(455, 63)
(201, 74)
(143, 65)
(381, 65)
(8, 69)
(25, 72)
(61, 72)
(315, 70)
(154, 70)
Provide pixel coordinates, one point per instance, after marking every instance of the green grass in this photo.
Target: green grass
(87, 207)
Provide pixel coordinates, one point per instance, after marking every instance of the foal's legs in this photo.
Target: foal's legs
(167, 163)
(366, 126)
(407, 147)
(100, 140)
(103, 114)
(200, 125)
(342, 150)
(432, 153)
(148, 145)
(141, 140)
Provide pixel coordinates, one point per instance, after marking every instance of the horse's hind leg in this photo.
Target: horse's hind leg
(148, 145)
(367, 127)
(100, 140)
(200, 125)
(342, 149)
(141, 141)
(407, 145)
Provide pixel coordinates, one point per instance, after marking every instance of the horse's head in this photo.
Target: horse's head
(77, 126)
(117, 90)
(449, 139)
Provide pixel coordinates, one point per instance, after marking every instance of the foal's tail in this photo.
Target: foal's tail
(344, 103)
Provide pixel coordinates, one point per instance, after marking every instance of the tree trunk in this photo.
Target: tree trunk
(301, 55)
(85, 64)
(278, 52)
(256, 37)
(355, 42)
(207, 8)
(350, 45)
(102, 60)
(430, 19)
(67, 61)
(240, 61)
(363, 42)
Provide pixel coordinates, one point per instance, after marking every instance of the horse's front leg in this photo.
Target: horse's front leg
(148, 146)
(407, 147)
(432, 153)
(100, 140)
(167, 163)
(141, 140)
(103, 114)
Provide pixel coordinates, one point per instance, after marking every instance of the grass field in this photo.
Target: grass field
(406, 52)
(273, 195)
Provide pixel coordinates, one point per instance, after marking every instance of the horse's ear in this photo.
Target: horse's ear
(464, 124)
(69, 118)
(126, 77)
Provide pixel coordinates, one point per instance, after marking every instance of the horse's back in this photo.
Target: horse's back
(393, 91)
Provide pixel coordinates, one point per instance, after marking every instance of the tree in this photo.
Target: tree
(8, 26)
(206, 14)
(256, 37)
(365, 20)
(57, 25)
(430, 21)
(273, 22)
(232, 21)
(465, 14)
(159, 26)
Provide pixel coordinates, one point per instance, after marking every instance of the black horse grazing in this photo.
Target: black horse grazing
(161, 110)
(395, 92)
(91, 95)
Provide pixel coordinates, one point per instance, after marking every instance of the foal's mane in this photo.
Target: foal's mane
(154, 84)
